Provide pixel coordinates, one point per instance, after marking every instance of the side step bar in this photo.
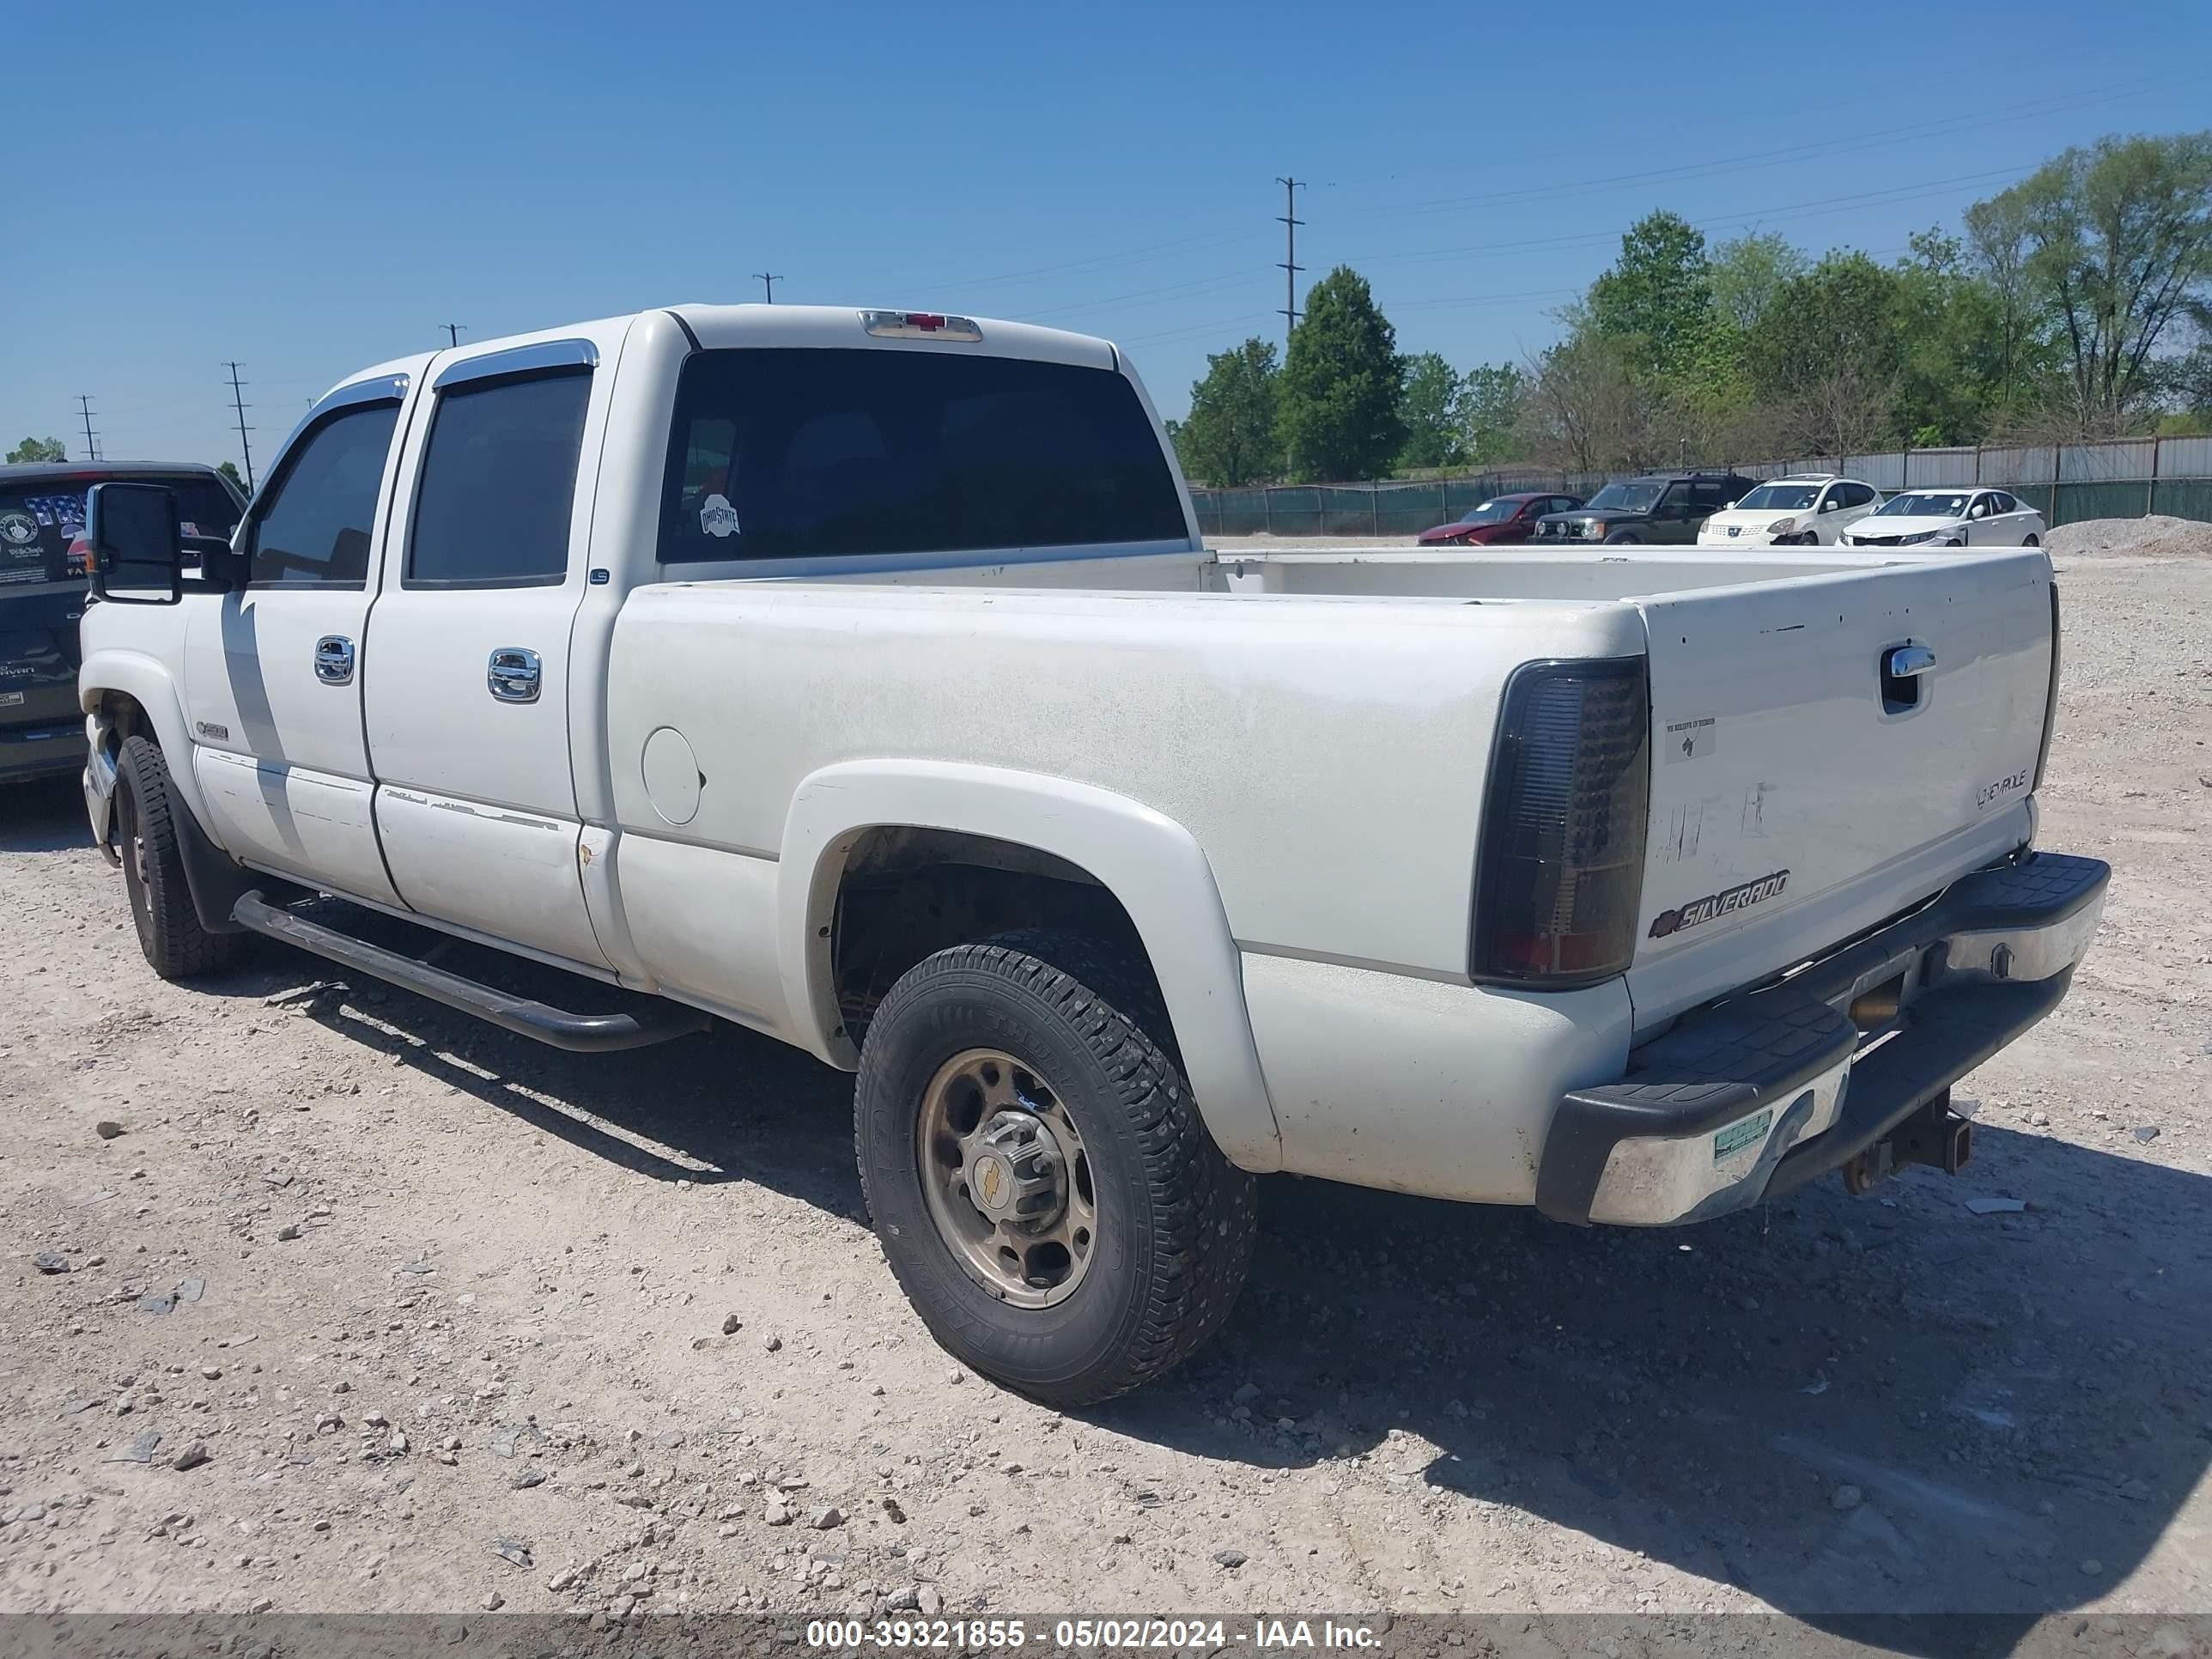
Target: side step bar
(579, 1033)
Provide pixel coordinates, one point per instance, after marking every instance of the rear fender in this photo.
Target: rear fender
(1150, 864)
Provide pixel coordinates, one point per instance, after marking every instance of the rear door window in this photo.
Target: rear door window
(792, 453)
(499, 483)
(38, 521)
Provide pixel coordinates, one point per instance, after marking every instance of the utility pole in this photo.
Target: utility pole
(452, 333)
(91, 445)
(769, 280)
(1291, 222)
(238, 402)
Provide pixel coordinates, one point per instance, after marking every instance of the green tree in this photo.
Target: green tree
(1746, 273)
(1338, 408)
(1586, 407)
(1998, 242)
(1488, 413)
(38, 449)
(1229, 437)
(2119, 240)
(1428, 404)
(1658, 296)
(1826, 351)
(1950, 326)
(229, 469)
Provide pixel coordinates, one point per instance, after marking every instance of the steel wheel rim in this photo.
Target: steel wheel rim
(1006, 1178)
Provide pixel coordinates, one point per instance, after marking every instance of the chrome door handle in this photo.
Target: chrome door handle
(1908, 660)
(513, 674)
(334, 660)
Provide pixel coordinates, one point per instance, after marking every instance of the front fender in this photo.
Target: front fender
(144, 680)
(1150, 865)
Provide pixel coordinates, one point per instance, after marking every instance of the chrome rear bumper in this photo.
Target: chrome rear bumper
(1756, 1095)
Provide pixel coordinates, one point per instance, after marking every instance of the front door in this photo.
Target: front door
(272, 680)
(468, 666)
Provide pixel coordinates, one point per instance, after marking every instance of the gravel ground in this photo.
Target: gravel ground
(366, 1307)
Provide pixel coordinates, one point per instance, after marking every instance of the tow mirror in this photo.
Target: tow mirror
(137, 550)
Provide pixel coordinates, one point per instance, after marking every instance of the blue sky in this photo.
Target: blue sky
(309, 189)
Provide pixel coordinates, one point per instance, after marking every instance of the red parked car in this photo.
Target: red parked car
(1499, 521)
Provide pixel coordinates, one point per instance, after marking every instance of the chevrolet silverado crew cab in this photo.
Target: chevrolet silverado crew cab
(859, 678)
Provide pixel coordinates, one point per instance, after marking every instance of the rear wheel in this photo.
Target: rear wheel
(1039, 1177)
(2032, 542)
(146, 812)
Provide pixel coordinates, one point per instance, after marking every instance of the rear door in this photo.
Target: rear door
(467, 663)
(1798, 793)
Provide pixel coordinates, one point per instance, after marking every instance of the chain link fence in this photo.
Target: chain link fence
(2065, 482)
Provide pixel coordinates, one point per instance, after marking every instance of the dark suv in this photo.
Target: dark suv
(1657, 507)
(42, 595)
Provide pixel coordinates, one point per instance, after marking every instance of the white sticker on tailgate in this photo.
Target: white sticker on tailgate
(1687, 739)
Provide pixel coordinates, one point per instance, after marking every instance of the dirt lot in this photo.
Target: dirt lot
(454, 1320)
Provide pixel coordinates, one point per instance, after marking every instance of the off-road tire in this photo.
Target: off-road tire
(146, 812)
(1177, 1220)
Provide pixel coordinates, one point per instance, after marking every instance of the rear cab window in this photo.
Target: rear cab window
(38, 519)
(798, 452)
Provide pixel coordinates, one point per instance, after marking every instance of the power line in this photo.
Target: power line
(91, 438)
(1291, 222)
(238, 402)
(768, 279)
(452, 333)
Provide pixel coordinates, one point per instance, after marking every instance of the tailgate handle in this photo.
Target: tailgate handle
(1908, 660)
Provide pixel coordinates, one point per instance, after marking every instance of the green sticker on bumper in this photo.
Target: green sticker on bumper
(1737, 1136)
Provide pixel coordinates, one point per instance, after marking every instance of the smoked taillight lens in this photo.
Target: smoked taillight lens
(1561, 871)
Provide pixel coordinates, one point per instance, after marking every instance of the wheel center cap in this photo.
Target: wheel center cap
(993, 1183)
(1016, 1173)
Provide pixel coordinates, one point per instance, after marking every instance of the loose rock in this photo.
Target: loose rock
(192, 1457)
(107, 1128)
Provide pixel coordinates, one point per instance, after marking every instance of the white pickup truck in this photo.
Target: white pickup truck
(859, 678)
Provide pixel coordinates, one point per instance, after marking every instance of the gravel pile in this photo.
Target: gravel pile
(2154, 537)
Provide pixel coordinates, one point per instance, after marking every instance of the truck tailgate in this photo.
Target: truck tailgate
(1800, 794)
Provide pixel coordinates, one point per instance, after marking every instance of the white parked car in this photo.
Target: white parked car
(1807, 509)
(1950, 518)
(859, 678)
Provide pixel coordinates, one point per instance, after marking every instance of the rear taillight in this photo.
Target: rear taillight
(2051, 696)
(1561, 869)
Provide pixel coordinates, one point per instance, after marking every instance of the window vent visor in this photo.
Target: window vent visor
(1561, 876)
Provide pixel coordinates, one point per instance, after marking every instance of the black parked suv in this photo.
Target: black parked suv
(42, 595)
(1657, 507)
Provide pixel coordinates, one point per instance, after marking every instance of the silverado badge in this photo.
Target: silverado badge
(1718, 904)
